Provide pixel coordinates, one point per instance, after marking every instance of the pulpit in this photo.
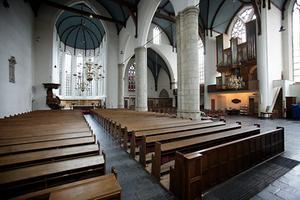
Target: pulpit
(52, 101)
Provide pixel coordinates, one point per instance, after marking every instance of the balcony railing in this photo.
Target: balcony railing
(248, 86)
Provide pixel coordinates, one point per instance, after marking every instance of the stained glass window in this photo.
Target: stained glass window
(239, 28)
(131, 78)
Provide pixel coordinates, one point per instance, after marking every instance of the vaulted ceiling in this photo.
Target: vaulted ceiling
(214, 14)
(217, 14)
(165, 19)
(80, 32)
(156, 64)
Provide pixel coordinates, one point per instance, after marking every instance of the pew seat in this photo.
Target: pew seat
(165, 152)
(28, 179)
(138, 135)
(100, 187)
(148, 143)
(46, 156)
(43, 138)
(45, 145)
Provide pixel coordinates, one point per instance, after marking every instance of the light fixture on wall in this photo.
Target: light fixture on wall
(282, 29)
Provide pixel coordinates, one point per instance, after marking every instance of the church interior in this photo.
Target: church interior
(150, 99)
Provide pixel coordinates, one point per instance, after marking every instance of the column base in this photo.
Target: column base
(189, 115)
(143, 109)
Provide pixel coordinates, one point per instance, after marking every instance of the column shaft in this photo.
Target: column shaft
(262, 64)
(121, 68)
(141, 79)
(189, 73)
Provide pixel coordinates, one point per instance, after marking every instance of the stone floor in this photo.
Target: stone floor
(278, 178)
(136, 183)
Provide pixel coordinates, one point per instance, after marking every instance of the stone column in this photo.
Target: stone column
(210, 68)
(189, 69)
(262, 64)
(141, 79)
(179, 29)
(121, 68)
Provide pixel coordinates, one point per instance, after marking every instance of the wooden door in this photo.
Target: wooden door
(213, 105)
(251, 106)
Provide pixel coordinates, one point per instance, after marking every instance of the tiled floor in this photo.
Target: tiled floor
(276, 179)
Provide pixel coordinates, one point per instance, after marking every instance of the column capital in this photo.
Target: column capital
(121, 65)
(141, 48)
(190, 10)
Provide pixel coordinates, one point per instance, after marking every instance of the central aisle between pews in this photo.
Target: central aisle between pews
(136, 183)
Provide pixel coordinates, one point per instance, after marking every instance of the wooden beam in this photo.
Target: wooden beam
(257, 13)
(81, 12)
(170, 18)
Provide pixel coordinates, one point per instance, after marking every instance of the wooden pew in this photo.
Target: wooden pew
(46, 156)
(165, 152)
(43, 138)
(196, 172)
(137, 136)
(148, 142)
(34, 133)
(100, 187)
(22, 148)
(20, 181)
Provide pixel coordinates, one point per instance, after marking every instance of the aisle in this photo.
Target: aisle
(135, 181)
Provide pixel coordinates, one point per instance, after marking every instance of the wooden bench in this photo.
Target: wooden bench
(197, 172)
(46, 156)
(34, 133)
(19, 181)
(13, 149)
(165, 152)
(148, 142)
(100, 187)
(43, 138)
(137, 136)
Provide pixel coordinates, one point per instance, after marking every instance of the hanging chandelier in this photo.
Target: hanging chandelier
(81, 84)
(90, 72)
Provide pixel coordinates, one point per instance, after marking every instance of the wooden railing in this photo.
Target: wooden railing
(249, 85)
(196, 172)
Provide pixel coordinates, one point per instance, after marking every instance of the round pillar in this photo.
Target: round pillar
(141, 79)
(189, 69)
(121, 68)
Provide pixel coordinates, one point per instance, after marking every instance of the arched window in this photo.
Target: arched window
(78, 80)
(239, 28)
(68, 74)
(296, 41)
(201, 60)
(131, 78)
(156, 35)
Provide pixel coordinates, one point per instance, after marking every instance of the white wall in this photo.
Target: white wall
(163, 36)
(164, 83)
(16, 30)
(275, 59)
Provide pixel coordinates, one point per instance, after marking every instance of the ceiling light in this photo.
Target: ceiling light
(91, 16)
